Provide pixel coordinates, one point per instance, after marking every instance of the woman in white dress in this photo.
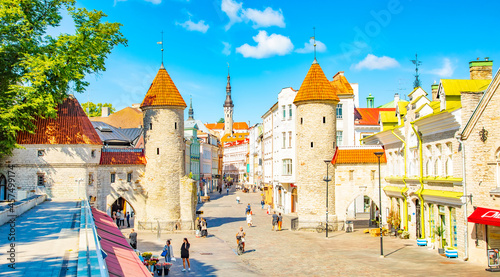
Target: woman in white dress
(249, 219)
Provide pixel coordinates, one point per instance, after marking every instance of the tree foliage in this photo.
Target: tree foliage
(221, 120)
(93, 110)
(37, 71)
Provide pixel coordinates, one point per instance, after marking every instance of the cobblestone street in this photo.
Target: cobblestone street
(290, 253)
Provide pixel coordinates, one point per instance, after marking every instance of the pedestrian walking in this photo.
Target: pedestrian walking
(122, 219)
(204, 228)
(114, 217)
(262, 203)
(280, 221)
(238, 199)
(220, 191)
(128, 220)
(269, 209)
(275, 221)
(227, 190)
(185, 254)
(133, 239)
(118, 218)
(248, 209)
(168, 252)
(249, 219)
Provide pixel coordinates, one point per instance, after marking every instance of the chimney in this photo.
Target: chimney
(396, 100)
(105, 111)
(481, 70)
(434, 88)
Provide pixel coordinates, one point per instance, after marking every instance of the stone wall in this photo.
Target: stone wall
(164, 145)
(314, 142)
(364, 182)
(482, 171)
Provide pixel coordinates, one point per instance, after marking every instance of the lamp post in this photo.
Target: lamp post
(327, 179)
(379, 154)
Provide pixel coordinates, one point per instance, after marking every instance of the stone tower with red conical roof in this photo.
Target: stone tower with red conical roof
(316, 130)
(163, 109)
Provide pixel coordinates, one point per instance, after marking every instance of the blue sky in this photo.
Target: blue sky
(267, 44)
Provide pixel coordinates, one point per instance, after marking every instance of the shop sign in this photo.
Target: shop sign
(491, 214)
(493, 257)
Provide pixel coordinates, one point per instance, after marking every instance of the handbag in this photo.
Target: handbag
(164, 253)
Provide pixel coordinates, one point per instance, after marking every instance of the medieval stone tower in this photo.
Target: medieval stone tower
(163, 109)
(316, 128)
(228, 108)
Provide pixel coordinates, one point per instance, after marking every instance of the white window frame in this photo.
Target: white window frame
(287, 167)
(339, 111)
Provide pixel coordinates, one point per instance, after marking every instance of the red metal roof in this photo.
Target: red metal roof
(369, 116)
(122, 259)
(357, 155)
(72, 126)
(122, 156)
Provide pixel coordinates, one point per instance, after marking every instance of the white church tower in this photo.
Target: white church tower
(228, 108)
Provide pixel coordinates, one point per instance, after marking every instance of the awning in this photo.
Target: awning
(393, 191)
(444, 197)
(485, 216)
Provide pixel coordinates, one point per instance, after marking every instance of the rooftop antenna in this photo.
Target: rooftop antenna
(161, 43)
(416, 62)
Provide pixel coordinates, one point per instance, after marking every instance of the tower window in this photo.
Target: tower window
(40, 179)
(175, 125)
(157, 151)
(41, 153)
(312, 145)
(129, 177)
(301, 120)
(92, 153)
(324, 119)
(150, 126)
(113, 178)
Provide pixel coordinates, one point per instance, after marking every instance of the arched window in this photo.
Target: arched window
(437, 167)
(3, 188)
(428, 167)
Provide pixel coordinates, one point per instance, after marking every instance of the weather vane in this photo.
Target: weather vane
(161, 43)
(416, 62)
(314, 40)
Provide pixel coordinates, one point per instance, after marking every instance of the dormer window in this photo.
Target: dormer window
(41, 153)
(92, 153)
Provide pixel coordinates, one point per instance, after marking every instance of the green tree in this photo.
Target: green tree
(93, 110)
(37, 71)
(221, 120)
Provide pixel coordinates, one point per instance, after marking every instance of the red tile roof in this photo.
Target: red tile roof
(369, 116)
(125, 118)
(163, 92)
(316, 87)
(240, 126)
(357, 155)
(72, 126)
(215, 126)
(340, 82)
(122, 156)
(122, 259)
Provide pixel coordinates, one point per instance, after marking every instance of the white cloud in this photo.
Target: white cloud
(227, 48)
(154, 1)
(373, 62)
(267, 46)
(266, 18)
(445, 71)
(309, 47)
(231, 8)
(191, 26)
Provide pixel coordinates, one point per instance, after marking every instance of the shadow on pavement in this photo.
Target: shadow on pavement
(219, 221)
(197, 269)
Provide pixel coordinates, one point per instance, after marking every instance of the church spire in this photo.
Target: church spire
(229, 101)
(191, 112)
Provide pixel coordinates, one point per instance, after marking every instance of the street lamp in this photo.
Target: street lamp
(327, 179)
(379, 154)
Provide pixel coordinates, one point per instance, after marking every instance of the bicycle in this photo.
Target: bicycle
(239, 249)
(322, 227)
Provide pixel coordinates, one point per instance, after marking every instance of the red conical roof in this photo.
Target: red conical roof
(316, 87)
(163, 92)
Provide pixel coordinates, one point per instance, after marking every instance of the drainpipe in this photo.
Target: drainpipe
(421, 180)
(466, 235)
(405, 189)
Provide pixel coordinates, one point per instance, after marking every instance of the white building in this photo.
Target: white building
(255, 155)
(267, 153)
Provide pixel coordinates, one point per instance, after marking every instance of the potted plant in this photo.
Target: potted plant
(439, 231)
(147, 255)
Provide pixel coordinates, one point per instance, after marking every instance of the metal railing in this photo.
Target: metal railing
(90, 255)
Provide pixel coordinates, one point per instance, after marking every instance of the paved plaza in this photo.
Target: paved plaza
(291, 253)
(46, 241)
